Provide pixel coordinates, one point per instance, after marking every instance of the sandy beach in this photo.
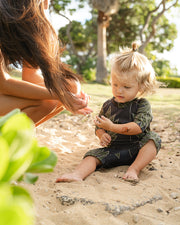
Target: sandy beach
(104, 198)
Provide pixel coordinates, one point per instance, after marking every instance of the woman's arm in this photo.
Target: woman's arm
(22, 89)
(32, 75)
(29, 88)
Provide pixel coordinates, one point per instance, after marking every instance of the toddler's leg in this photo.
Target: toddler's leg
(146, 154)
(84, 169)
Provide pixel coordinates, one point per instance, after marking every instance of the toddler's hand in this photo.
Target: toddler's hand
(105, 140)
(103, 122)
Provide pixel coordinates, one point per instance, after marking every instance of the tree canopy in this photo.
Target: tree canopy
(141, 20)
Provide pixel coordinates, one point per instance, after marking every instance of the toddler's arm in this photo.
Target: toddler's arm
(130, 128)
(104, 137)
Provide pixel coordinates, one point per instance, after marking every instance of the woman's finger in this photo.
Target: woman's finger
(83, 96)
(85, 111)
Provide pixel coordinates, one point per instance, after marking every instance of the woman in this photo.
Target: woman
(28, 39)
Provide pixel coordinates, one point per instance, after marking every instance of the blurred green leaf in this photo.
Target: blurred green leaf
(30, 178)
(17, 122)
(4, 157)
(21, 156)
(43, 166)
(40, 153)
(16, 206)
(3, 119)
(19, 192)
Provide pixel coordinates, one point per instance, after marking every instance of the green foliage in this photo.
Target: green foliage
(125, 25)
(60, 5)
(86, 69)
(123, 29)
(20, 156)
(166, 33)
(83, 37)
(64, 5)
(163, 68)
(170, 82)
(89, 74)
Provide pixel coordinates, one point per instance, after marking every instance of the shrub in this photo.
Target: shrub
(170, 82)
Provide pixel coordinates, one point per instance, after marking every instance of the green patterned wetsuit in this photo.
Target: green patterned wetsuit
(123, 149)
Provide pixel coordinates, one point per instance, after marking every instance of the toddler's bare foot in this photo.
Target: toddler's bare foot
(69, 177)
(131, 175)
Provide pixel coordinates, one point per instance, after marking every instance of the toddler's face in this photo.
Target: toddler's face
(124, 88)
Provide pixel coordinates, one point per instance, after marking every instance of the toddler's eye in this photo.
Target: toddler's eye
(127, 87)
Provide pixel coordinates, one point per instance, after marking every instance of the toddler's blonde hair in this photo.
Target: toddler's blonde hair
(129, 60)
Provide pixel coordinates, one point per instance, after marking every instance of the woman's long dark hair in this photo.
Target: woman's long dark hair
(27, 36)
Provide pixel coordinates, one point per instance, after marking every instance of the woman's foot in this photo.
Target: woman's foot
(68, 177)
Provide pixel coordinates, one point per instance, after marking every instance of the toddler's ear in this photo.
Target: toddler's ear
(141, 88)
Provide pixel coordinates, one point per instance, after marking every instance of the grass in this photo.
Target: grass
(166, 102)
(15, 73)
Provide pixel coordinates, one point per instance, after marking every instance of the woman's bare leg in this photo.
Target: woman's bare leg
(84, 169)
(43, 112)
(38, 110)
(50, 115)
(146, 154)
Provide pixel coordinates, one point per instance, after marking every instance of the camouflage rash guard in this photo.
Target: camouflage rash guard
(138, 111)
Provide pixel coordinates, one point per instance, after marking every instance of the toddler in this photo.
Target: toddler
(123, 124)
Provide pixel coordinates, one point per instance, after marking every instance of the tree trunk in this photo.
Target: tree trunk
(101, 71)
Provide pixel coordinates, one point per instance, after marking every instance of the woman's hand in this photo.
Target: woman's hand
(83, 99)
(103, 122)
(80, 99)
(105, 139)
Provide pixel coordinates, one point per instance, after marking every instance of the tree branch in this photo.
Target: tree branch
(148, 17)
(147, 24)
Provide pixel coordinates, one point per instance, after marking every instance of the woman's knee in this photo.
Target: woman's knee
(48, 105)
(40, 109)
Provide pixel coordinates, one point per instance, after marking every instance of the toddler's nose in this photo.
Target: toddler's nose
(120, 90)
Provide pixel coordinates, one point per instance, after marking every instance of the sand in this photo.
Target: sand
(104, 198)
